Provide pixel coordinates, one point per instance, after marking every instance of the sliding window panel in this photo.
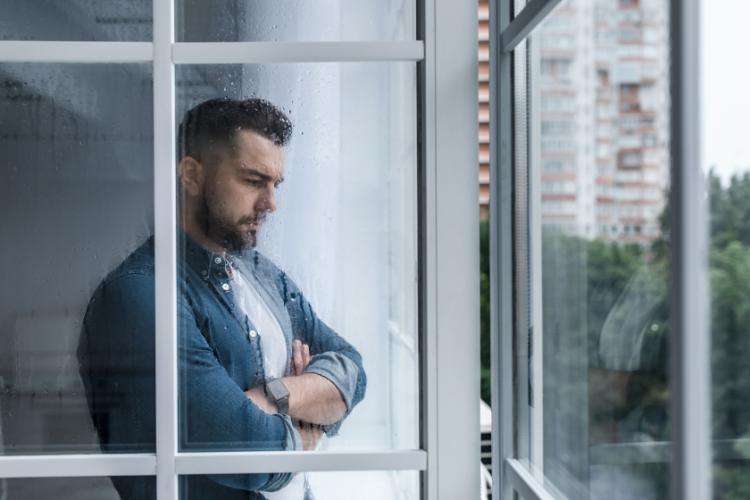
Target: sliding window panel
(298, 222)
(76, 199)
(76, 20)
(599, 171)
(726, 163)
(295, 20)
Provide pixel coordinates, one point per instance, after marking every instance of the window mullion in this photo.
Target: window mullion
(286, 52)
(75, 52)
(88, 465)
(532, 14)
(501, 250)
(690, 348)
(165, 252)
(298, 461)
(525, 483)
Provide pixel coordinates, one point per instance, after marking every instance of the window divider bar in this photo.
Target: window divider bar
(165, 252)
(210, 52)
(501, 250)
(298, 461)
(287, 52)
(524, 482)
(427, 183)
(532, 14)
(78, 465)
(76, 52)
(690, 346)
(456, 264)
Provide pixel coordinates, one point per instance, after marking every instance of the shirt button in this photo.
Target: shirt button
(253, 334)
(217, 260)
(225, 287)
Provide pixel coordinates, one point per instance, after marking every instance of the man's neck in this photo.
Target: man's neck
(193, 229)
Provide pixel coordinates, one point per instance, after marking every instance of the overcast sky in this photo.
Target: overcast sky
(726, 85)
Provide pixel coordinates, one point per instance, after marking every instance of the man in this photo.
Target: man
(258, 369)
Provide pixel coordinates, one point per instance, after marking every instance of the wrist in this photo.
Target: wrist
(278, 393)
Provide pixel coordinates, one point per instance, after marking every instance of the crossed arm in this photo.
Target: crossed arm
(313, 399)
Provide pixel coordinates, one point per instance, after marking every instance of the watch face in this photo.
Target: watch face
(277, 389)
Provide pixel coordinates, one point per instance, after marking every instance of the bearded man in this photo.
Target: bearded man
(258, 370)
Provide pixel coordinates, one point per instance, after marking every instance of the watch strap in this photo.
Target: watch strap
(278, 392)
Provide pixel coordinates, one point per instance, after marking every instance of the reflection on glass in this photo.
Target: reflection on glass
(76, 20)
(76, 198)
(600, 162)
(725, 107)
(74, 488)
(292, 20)
(363, 485)
(297, 231)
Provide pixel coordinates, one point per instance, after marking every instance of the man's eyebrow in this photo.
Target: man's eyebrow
(251, 171)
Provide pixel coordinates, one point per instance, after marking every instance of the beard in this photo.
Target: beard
(220, 229)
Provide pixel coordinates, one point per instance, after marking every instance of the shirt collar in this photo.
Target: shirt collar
(204, 261)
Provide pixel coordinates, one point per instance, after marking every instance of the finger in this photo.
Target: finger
(305, 355)
(297, 356)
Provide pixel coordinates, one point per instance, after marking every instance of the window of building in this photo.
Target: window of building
(202, 198)
(590, 406)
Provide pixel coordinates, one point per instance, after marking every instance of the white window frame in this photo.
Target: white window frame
(445, 53)
(690, 449)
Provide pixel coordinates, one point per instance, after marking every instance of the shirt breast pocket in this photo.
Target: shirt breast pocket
(238, 351)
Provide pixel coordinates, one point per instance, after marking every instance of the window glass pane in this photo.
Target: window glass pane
(600, 173)
(76, 198)
(725, 107)
(76, 20)
(335, 264)
(521, 249)
(364, 485)
(293, 20)
(77, 488)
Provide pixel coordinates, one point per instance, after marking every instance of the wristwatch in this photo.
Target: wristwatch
(277, 391)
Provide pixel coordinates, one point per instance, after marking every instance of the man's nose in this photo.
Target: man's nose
(268, 200)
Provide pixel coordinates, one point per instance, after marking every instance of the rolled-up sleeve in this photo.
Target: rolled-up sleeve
(333, 357)
(340, 370)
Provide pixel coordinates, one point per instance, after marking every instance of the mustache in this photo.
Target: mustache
(254, 219)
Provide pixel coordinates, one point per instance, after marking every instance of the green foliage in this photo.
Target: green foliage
(588, 280)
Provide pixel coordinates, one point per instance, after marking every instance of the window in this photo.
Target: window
(726, 159)
(602, 297)
(556, 69)
(132, 356)
(58, 154)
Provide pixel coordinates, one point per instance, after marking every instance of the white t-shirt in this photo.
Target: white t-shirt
(273, 345)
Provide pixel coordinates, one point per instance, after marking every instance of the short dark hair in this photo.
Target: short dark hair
(214, 122)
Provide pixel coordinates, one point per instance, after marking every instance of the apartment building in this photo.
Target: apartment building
(599, 117)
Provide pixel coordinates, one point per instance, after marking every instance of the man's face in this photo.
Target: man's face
(239, 191)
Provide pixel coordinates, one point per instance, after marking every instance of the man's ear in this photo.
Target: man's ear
(191, 176)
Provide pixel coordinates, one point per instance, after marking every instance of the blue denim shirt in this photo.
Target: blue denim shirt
(219, 358)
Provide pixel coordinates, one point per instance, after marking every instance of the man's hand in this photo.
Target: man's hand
(300, 357)
(310, 434)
